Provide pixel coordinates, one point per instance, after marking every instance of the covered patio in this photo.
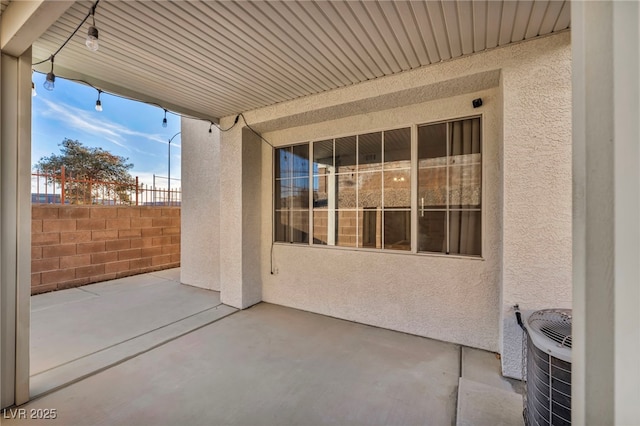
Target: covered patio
(267, 365)
(551, 95)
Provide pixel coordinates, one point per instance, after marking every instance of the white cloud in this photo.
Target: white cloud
(85, 121)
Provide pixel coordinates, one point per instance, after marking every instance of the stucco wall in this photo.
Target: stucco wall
(527, 200)
(537, 192)
(447, 298)
(200, 257)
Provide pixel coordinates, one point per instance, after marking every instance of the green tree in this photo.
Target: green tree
(87, 172)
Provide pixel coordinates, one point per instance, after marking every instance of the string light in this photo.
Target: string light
(98, 102)
(33, 85)
(211, 123)
(50, 82)
(92, 33)
(92, 44)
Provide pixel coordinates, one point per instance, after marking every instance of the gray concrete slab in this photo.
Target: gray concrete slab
(170, 274)
(56, 298)
(80, 368)
(484, 405)
(271, 365)
(68, 327)
(124, 284)
(484, 367)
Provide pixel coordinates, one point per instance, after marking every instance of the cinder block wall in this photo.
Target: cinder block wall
(77, 245)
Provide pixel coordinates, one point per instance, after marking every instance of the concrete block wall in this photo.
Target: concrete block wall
(77, 245)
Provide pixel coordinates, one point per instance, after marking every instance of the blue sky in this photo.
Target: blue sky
(126, 128)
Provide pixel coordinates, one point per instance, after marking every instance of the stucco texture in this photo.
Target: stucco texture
(454, 299)
(537, 192)
(526, 202)
(200, 260)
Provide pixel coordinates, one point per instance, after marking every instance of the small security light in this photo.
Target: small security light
(477, 103)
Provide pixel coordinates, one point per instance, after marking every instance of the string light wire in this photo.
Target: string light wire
(93, 8)
(254, 132)
(91, 12)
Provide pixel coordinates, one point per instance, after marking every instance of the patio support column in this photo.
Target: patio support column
(200, 233)
(240, 206)
(15, 227)
(606, 208)
(536, 206)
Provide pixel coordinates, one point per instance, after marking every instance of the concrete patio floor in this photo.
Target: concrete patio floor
(79, 331)
(267, 365)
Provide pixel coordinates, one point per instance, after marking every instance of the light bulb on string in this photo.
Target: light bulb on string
(164, 120)
(50, 82)
(98, 102)
(33, 89)
(92, 33)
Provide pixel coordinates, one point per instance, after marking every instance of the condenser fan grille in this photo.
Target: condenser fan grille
(555, 324)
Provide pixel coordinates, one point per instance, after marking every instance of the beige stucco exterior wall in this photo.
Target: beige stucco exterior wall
(527, 202)
(200, 233)
(537, 192)
(446, 298)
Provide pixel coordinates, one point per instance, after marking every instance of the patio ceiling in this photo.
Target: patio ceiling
(216, 58)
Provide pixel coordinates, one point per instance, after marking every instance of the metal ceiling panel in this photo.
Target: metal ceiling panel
(218, 58)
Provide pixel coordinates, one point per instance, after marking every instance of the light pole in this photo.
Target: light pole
(169, 169)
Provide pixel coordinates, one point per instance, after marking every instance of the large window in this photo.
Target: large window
(356, 191)
(292, 194)
(450, 187)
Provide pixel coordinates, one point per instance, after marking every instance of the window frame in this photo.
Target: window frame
(447, 210)
(414, 189)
